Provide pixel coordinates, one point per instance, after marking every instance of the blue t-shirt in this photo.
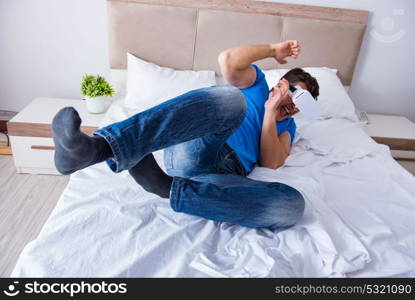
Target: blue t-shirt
(245, 141)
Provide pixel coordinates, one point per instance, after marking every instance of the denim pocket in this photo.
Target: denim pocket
(228, 162)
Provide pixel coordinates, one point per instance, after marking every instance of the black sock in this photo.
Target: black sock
(74, 150)
(151, 177)
(105, 149)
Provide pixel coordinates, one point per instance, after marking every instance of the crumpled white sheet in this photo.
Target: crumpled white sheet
(359, 220)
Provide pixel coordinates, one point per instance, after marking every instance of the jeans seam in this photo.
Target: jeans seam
(115, 147)
(174, 195)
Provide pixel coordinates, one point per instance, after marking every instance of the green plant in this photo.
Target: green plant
(96, 86)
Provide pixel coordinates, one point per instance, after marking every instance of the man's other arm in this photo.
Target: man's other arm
(235, 63)
(274, 149)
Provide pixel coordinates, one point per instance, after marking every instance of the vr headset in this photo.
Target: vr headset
(307, 105)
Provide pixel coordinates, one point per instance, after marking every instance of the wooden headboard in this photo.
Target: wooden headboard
(185, 34)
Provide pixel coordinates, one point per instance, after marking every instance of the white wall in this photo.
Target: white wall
(384, 78)
(47, 45)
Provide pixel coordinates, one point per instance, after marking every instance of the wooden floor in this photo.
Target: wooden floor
(26, 202)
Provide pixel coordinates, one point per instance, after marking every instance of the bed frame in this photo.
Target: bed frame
(185, 34)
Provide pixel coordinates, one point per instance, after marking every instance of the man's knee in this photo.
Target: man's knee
(283, 213)
(296, 211)
(229, 100)
(232, 94)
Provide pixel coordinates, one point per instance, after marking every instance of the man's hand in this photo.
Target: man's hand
(276, 106)
(285, 111)
(276, 95)
(290, 48)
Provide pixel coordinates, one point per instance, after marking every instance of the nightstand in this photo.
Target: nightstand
(396, 132)
(31, 135)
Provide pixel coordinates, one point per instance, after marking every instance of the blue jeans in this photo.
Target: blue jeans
(208, 178)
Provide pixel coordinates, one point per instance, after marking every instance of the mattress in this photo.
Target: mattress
(358, 222)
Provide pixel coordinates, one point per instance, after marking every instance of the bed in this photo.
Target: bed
(360, 204)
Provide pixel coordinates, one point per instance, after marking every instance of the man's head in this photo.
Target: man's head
(301, 78)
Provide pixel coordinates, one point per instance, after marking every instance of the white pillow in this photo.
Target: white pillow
(333, 97)
(149, 84)
(118, 79)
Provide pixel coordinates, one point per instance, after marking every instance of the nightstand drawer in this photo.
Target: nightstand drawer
(33, 154)
(31, 133)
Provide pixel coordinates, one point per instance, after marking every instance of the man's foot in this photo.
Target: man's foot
(74, 150)
(151, 177)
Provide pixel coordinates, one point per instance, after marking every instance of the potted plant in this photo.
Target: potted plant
(96, 91)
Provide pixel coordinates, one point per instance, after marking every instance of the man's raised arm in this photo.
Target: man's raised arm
(235, 63)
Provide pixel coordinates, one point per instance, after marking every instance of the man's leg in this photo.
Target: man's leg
(151, 177)
(192, 115)
(208, 154)
(186, 117)
(238, 200)
(205, 155)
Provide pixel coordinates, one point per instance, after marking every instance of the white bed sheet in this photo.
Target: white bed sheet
(359, 220)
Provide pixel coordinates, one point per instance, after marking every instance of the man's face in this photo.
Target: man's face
(286, 101)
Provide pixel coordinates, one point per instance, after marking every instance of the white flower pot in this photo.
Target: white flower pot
(97, 105)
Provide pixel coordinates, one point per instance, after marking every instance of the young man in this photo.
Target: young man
(212, 138)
